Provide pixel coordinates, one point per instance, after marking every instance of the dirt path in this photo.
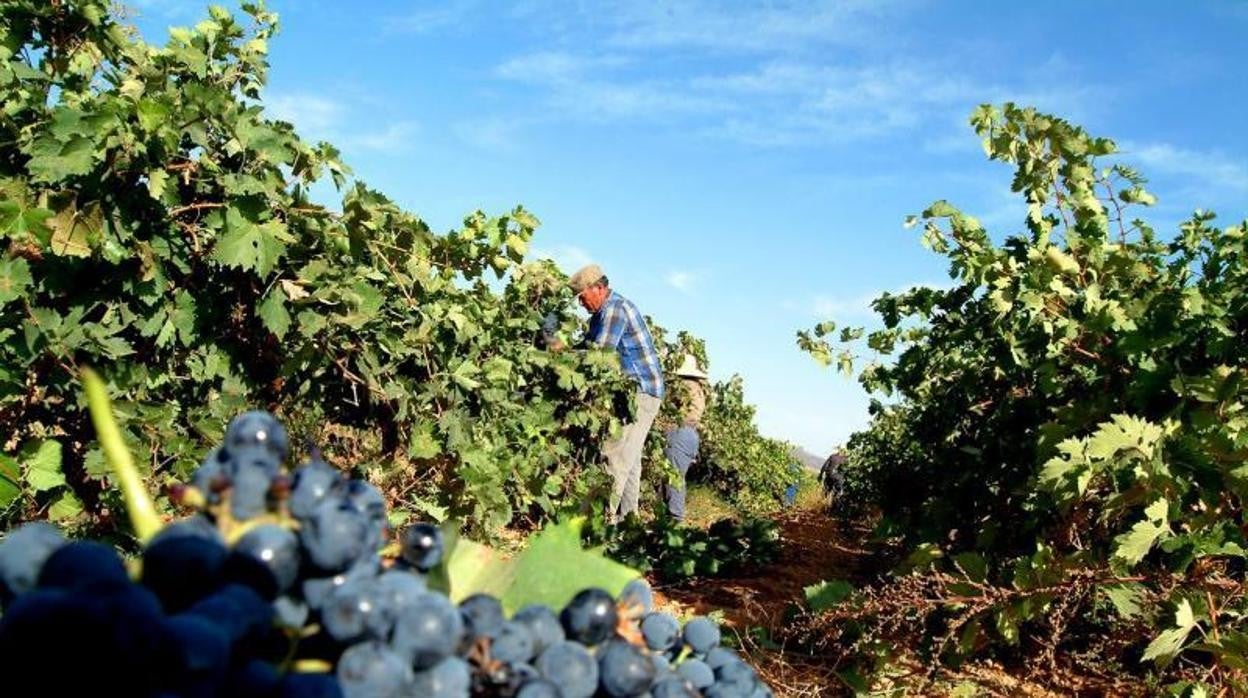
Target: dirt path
(813, 547)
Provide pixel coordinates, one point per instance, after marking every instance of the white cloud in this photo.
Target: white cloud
(683, 280)
(568, 258)
(317, 117)
(313, 116)
(426, 20)
(1208, 168)
(490, 133)
(853, 308)
(394, 137)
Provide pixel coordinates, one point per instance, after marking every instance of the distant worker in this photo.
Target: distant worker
(616, 323)
(683, 440)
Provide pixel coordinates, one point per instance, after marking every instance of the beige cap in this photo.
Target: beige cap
(690, 368)
(585, 277)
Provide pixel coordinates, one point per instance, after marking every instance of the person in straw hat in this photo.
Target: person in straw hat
(616, 323)
(683, 441)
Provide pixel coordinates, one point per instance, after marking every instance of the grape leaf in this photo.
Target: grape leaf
(272, 312)
(67, 506)
(825, 595)
(1126, 598)
(250, 246)
(550, 570)
(14, 279)
(43, 467)
(10, 481)
(51, 160)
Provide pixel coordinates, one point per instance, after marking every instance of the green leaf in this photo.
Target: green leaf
(14, 279)
(43, 467)
(1166, 646)
(17, 219)
(826, 595)
(550, 570)
(250, 246)
(272, 312)
(1126, 598)
(76, 232)
(53, 161)
(1133, 546)
(66, 507)
(10, 481)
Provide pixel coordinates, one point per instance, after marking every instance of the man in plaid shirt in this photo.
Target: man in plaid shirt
(615, 322)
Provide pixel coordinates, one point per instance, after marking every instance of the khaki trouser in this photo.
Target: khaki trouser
(623, 456)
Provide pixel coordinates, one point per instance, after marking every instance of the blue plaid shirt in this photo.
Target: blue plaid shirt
(619, 325)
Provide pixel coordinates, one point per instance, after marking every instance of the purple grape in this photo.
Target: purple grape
(373, 670)
(22, 554)
(482, 614)
(427, 630)
(311, 483)
(660, 631)
(624, 670)
(590, 617)
(334, 536)
(512, 643)
(268, 556)
(570, 666)
(543, 624)
(83, 564)
(421, 546)
(258, 429)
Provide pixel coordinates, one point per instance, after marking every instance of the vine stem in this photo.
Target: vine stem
(139, 504)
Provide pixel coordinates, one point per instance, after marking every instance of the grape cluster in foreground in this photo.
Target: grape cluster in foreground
(275, 588)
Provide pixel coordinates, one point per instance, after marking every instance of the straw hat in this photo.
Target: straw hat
(585, 277)
(690, 368)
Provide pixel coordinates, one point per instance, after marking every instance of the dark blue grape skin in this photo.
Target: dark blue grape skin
(512, 643)
(82, 565)
(311, 483)
(636, 599)
(427, 630)
(265, 558)
(421, 546)
(719, 656)
(195, 658)
(482, 614)
(543, 624)
(660, 631)
(237, 609)
(701, 634)
(252, 679)
(22, 554)
(113, 633)
(696, 672)
(290, 612)
(182, 568)
(624, 670)
(449, 678)
(737, 675)
(673, 687)
(258, 429)
(334, 536)
(570, 666)
(304, 685)
(356, 611)
(590, 617)
(249, 492)
(316, 590)
(373, 670)
(538, 688)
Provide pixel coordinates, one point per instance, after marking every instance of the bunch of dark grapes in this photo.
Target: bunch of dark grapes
(275, 588)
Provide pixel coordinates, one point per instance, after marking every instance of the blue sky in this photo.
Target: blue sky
(742, 169)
